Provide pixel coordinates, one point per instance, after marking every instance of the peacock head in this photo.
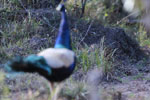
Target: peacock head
(60, 7)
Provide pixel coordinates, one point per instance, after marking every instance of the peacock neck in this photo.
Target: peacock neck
(63, 39)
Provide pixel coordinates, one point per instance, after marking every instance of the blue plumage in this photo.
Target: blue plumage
(63, 39)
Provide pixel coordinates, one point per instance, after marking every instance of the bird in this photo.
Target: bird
(55, 64)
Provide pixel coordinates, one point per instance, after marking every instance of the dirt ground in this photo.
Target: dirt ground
(34, 87)
(130, 80)
(130, 89)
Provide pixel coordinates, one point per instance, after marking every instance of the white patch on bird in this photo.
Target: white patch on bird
(59, 7)
(58, 57)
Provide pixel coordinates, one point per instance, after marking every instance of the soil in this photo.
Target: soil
(130, 80)
(130, 89)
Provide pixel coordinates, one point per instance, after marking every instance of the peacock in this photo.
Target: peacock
(55, 64)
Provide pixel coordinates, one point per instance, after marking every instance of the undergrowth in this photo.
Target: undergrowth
(31, 27)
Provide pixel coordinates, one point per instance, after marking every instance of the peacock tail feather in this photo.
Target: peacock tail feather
(32, 63)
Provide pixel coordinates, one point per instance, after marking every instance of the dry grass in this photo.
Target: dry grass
(29, 26)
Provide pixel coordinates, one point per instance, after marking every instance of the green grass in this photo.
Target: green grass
(96, 56)
(18, 28)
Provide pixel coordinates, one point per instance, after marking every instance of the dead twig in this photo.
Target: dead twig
(86, 32)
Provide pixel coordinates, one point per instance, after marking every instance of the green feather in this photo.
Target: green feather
(38, 61)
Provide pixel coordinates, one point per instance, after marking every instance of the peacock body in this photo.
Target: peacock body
(55, 64)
